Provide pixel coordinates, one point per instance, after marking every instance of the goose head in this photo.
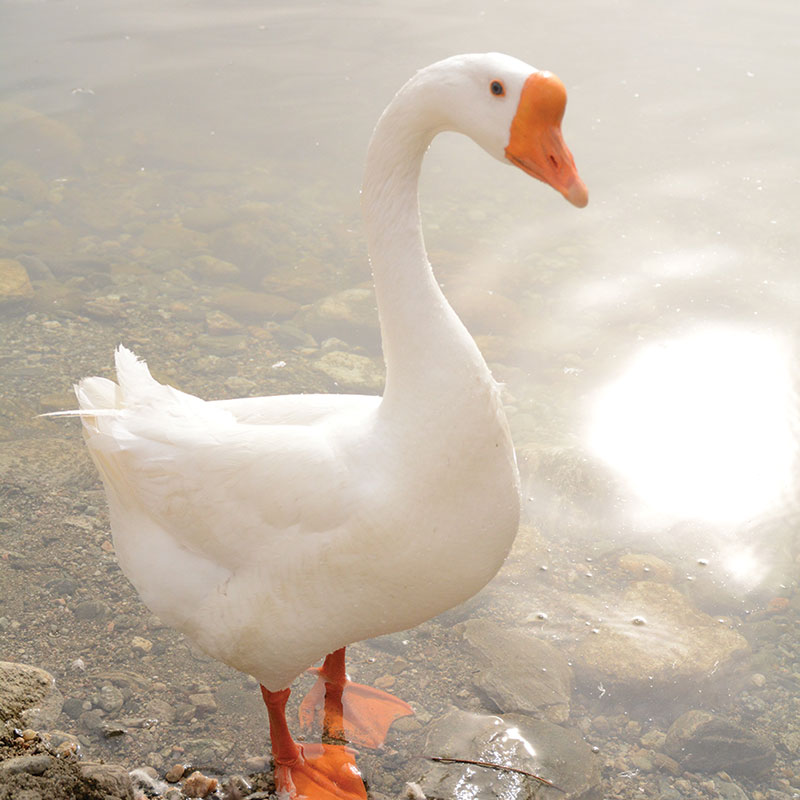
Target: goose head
(512, 110)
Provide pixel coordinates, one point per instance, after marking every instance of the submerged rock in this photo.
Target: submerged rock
(28, 695)
(520, 672)
(39, 141)
(647, 567)
(351, 314)
(15, 285)
(705, 742)
(655, 642)
(111, 779)
(249, 306)
(351, 371)
(535, 746)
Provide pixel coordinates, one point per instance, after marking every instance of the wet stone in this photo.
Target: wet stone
(249, 306)
(520, 672)
(112, 778)
(92, 719)
(174, 773)
(28, 695)
(542, 748)
(656, 642)
(221, 324)
(110, 698)
(350, 315)
(91, 610)
(203, 704)
(160, 710)
(207, 753)
(73, 707)
(15, 285)
(704, 742)
(198, 785)
(646, 567)
(240, 387)
(141, 645)
(214, 269)
(351, 371)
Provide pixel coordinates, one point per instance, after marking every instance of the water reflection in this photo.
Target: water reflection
(701, 425)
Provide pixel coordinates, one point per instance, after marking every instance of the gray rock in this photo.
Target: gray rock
(520, 672)
(91, 610)
(160, 710)
(28, 694)
(549, 751)
(33, 765)
(705, 742)
(208, 754)
(73, 707)
(730, 791)
(93, 719)
(112, 779)
(204, 703)
(110, 698)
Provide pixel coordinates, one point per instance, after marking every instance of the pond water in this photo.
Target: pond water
(183, 178)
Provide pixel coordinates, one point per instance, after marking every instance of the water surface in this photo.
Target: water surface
(647, 343)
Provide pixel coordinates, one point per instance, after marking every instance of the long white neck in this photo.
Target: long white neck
(426, 347)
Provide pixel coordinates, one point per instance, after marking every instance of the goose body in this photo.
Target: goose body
(275, 530)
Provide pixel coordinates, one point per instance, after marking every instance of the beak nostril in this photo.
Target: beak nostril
(553, 162)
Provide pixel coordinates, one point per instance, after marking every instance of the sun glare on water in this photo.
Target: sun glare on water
(702, 426)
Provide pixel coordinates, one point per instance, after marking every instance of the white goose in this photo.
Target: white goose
(275, 530)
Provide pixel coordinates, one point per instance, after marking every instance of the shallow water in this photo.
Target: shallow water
(156, 160)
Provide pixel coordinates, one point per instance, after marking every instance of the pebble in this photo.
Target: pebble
(256, 764)
(198, 785)
(385, 682)
(110, 698)
(91, 610)
(175, 773)
(219, 323)
(203, 704)
(141, 645)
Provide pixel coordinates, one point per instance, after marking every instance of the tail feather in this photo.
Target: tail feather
(96, 394)
(135, 380)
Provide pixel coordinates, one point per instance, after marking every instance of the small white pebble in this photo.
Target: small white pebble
(414, 792)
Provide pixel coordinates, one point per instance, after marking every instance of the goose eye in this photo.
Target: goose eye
(497, 88)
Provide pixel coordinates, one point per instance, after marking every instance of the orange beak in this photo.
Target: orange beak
(536, 145)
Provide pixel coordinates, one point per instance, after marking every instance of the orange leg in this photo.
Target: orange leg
(309, 771)
(349, 711)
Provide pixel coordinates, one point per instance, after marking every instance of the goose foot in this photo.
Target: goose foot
(309, 771)
(349, 712)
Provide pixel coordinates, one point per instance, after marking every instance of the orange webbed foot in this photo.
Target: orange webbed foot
(309, 771)
(349, 711)
(320, 772)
